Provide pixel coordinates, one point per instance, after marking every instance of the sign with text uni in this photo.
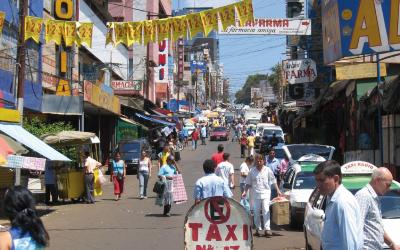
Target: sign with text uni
(218, 223)
(359, 27)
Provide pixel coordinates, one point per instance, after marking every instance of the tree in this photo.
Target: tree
(243, 96)
(275, 77)
(38, 128)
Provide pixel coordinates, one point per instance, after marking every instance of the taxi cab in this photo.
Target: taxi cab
(355, 176)
(298, 181)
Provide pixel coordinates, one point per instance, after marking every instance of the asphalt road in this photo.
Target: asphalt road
(131, 223)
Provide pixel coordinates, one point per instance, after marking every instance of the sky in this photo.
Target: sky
(246, 55)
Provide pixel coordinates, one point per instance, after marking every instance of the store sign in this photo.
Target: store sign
(299, 71)
(268, 26)
(198, 65)
(127, 85)
(94, 94)
(358, 167)
(359, 27)
(161, 72)
(180, 59)
(218, 223)
(358, 71)
(304, 94)
(31, 163)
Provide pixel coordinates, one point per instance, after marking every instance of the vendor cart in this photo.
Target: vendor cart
(70, 179)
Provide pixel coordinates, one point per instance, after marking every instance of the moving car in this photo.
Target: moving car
(259, 130)
(267, 135)
(219, 133)
(298, 181)
(355, 176)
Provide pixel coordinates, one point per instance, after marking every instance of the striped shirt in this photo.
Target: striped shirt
(372, 217)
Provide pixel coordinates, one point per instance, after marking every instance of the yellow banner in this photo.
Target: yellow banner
(110, 36)
(134, 32)
(195, 24)
(209, 19)
(54, 31)
(85, 32)
(245, 11)
(227, 15)
(70, 35)
(120, 33)
(33, 27)
(163, 29)
(179, 27)
(2, 18)
(148, 31)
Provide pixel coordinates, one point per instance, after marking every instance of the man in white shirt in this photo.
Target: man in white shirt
(260, 179)
(226, 171)
(244, 171)
(89, 167)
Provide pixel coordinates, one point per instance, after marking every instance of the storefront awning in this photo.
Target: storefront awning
(21, 135)
(155, 120)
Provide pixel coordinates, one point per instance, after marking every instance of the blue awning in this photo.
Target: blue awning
(155, 120)
(22, 136)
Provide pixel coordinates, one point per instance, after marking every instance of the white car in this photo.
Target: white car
(355, 176)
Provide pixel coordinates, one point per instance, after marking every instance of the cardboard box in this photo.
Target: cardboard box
(280, 213)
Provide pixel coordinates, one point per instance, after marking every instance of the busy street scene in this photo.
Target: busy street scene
(199, 124)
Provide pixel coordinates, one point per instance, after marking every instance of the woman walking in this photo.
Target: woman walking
(27, 230)
(144, 174)
(166, 174)
(118, 175)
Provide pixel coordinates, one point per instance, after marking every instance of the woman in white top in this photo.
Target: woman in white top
(144, 174)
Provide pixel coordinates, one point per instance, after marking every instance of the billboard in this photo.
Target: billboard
(299, 71)
(358, 27)
(271, 26)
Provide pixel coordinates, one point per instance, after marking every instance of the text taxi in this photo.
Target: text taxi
(355, 176)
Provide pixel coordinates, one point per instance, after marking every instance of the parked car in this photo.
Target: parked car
(353, 179)
(130, 151)
(219, 133)
(298, 181)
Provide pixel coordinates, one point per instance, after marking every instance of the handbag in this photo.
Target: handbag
(159, 187)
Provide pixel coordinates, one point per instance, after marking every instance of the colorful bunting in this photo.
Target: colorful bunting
(110, 36)
(134, 32)
(85, 32)
(2, 18)
(163, 28)
(33, 27)
(195, 24)
(227, 15)
(70, 35)
(120, 33)
(179, 27)
(245, 11)
(149, 31)
(54, 31)
(209, 19)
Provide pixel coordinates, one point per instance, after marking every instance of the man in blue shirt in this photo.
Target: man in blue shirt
(343, 226)
(210, 185)
(203, 134)
(273, 164)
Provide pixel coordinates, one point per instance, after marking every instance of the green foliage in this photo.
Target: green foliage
(274, 77)
(244, 95)
(38, 128)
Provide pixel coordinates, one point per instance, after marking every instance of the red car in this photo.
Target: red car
(219, 133)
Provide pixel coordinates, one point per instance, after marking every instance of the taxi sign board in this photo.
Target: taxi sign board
(218, 223)
(358, 167)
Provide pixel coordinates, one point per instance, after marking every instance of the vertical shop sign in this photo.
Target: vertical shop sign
(161, 72)
(180, 59)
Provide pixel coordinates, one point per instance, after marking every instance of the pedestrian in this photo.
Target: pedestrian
(195, 138)
(244, 171)
(51, 183)
(166, 174)
(90, 165)
(203, 134)
(259, 180)
(118, 175)
(226, 171)
(273, 141)
(243, 145)
(250, 144)
(210, 185)
(144, 174)
(163, 156)
(371, 214)
(185, 132)
(284, 165)
(343, 226)
(27, 230)
(273, 164)
(217, 157)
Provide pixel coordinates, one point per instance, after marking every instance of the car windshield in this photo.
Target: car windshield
(279, 153)
(270, 132)
(219, 129)
(304, 181)
(298, 151)
(130, 147)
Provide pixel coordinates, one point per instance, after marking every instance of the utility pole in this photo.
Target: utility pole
(23, 9)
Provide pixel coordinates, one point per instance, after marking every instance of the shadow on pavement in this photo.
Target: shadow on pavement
(161, 215)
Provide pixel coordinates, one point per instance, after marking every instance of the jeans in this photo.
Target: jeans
(51, 189)
(203, 140)
(143, 180)
(242, 150)
(194, 144)
(89, 188)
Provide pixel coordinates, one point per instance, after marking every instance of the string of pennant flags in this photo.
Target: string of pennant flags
(143, 32)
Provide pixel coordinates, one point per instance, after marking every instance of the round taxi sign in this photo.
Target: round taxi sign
(358, 167)
(218, 223)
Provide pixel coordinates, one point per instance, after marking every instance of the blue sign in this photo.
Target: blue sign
(198, 65)
(359, 27)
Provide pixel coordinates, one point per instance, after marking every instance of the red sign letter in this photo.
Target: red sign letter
(213, 233)
(195, 230)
